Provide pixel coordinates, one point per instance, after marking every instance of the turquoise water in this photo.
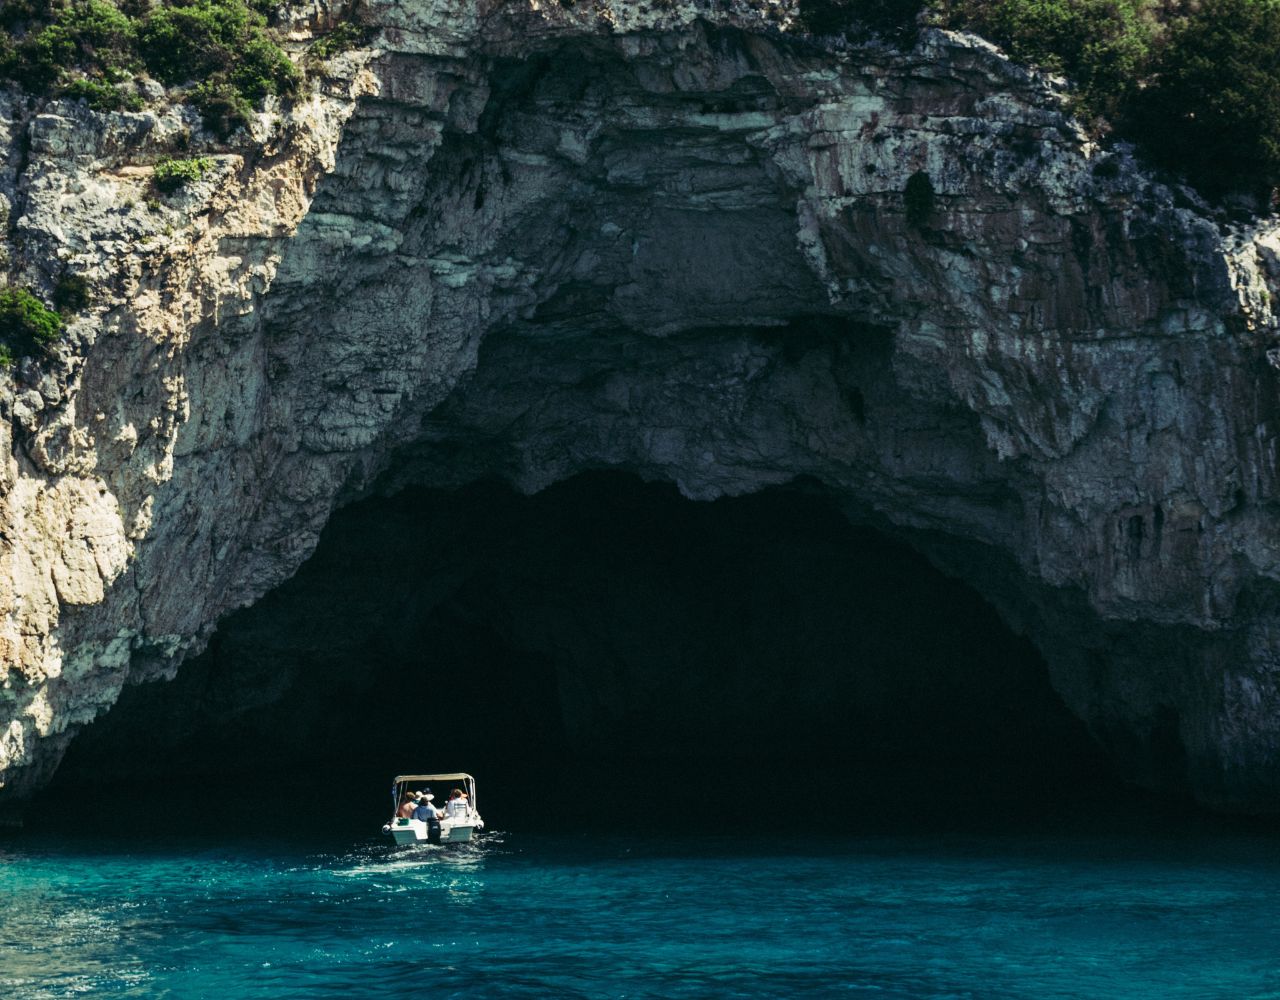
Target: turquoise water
(1148, 913)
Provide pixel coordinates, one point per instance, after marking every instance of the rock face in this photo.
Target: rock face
(521, 241)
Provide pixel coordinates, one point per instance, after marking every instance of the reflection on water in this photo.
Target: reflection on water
(139, 920)
(50, 946)
(610, 916)
(453, 870)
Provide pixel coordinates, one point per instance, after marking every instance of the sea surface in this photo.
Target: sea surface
(1148, 909)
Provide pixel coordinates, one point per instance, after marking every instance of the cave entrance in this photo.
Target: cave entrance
(610, 636)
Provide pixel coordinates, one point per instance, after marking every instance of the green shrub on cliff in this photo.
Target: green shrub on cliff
(1103, 45)
(26, 323)
(1212, 106)
(102, 96)
(893, 20)
(92, 35)
(224, 45)
(222, 107)
(262, 68)
(171, 174)
(187, 40)
(344, 36)
(1196, 84)
(192, 41)
(82, 47)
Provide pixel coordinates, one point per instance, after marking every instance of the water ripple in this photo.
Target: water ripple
(560, 917)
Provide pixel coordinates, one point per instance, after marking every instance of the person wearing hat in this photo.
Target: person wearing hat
(430, 815)
(458, 804)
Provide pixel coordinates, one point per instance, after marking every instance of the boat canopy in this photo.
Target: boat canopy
(404, 779)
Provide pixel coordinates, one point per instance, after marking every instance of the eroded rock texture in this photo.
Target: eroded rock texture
(509, 241)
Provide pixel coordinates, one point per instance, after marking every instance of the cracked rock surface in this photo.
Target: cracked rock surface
(523, 241)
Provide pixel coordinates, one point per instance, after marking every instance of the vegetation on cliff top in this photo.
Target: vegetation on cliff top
(1196, 83)
(345, 35)
(894, 20)
(86, 48)
(1212, 104)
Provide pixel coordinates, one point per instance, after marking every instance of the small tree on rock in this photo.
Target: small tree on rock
(1212, 109)
(26, 324)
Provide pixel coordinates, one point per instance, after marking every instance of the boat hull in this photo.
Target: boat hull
(414, 831)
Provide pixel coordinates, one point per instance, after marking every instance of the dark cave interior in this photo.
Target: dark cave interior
(602, 648)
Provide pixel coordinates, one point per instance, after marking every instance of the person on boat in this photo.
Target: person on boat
(406, 807)
(458, 804)
(430, 815)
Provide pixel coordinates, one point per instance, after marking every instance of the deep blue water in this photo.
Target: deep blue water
(1147, 912)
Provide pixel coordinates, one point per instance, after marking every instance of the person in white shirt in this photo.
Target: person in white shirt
(430, 815)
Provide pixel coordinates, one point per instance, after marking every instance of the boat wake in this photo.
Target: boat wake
(382, 859)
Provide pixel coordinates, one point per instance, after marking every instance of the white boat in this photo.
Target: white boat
(459, 821)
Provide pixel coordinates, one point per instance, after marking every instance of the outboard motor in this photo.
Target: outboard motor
(433, 830)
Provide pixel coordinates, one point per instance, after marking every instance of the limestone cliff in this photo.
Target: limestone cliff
(520, 239)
